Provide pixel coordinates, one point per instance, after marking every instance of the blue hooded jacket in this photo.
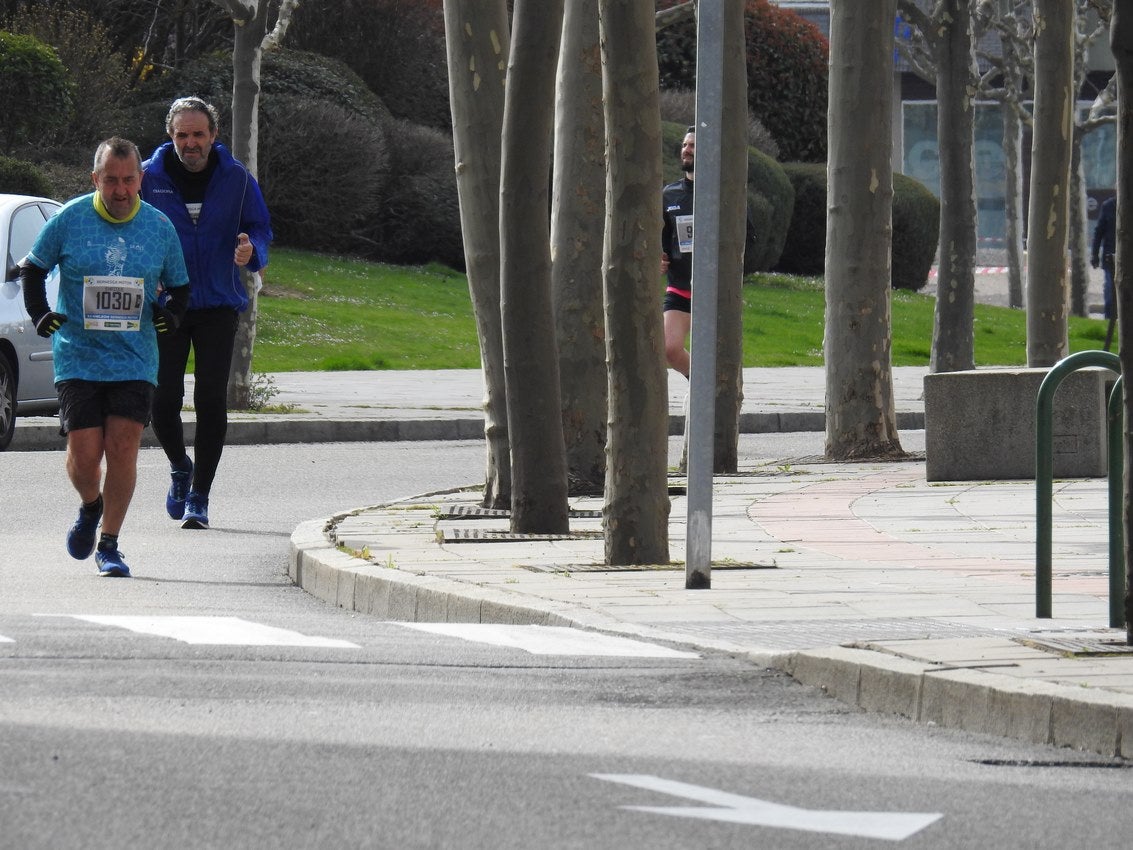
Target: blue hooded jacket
(233, 204)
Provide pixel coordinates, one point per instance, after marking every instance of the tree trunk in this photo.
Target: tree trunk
(1013, 202)
(1048, 229)
(637, 498)
(1078, 238)
(733, 233)
(577, 219)
(953, 346)
(247, 52)
(476, 34)
(531, 366)
(1121, 43)
(861, 419)
(250, 19)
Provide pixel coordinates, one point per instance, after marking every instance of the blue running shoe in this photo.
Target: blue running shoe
(196, 511)
(110, 564)
(83, 534)
(178, 490)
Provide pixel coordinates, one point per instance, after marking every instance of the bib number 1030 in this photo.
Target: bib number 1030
(113, 303)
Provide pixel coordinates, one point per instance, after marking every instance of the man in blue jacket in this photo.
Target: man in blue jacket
(1104, 248)
(220, 215)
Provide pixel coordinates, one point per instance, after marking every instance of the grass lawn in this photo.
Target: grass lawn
(324, 313)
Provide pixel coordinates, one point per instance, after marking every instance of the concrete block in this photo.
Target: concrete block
(432, 604)
(980, 424)
(1021, 712)
(371, 595)
(956, 699)
(1125, 731)
(402, 605)
(1085, 724)
(887, 689)
(836, 671)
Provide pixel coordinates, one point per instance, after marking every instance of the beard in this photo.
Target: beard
(686, 165)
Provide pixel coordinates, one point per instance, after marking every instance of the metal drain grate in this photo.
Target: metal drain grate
(473, 535)
(1079, 647)
(808, 460)
(637, 568)
(477, 512)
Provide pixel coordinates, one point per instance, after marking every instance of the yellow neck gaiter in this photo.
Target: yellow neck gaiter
(101, 209)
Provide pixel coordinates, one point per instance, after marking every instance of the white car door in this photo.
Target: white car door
(36, 369)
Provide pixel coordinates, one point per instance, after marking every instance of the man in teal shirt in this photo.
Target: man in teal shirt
(115, 255)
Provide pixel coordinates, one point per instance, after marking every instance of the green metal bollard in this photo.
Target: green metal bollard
(1115, 458)
(1044, 469)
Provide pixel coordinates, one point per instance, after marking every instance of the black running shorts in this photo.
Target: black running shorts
(87, 404)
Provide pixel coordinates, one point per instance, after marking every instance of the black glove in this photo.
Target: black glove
(49, 323)
(1094, 261)
(165, 320)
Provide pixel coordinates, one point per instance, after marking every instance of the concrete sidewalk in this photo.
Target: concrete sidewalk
(890, 593)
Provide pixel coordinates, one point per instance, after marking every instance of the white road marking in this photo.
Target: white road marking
(6, 639)
(217, 631)
(552, 640)
(734, 808)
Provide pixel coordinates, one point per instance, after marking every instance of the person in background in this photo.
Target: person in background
(1104, 248)
(223, 223)
(114, 252)
(676, 257)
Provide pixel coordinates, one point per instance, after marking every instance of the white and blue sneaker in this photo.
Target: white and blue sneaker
(196, 511)
(178, 490)
(84, 533)
(110, 564)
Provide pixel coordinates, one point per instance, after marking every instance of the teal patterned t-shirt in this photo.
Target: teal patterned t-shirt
(117, 266)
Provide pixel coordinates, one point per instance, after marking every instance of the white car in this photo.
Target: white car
(27, 378)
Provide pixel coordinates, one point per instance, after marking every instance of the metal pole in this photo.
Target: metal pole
(701, 420)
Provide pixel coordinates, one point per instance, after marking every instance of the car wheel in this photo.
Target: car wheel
(7, 402)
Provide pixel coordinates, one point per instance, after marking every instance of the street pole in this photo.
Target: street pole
(701, 418)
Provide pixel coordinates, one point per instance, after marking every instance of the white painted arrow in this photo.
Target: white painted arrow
(734, 808)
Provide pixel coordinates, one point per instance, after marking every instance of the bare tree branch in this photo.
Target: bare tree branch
(675, 15)
(241, 12)
(917, 49)
(912, 14)
(283, 21)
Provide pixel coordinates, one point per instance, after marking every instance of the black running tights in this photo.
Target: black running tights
(211, 334)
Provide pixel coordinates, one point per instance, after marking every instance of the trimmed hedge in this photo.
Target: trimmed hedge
(804, 252)
(916, 217)
(787, 74)
(916, 232)
(419, 219)
(99, 77)
(36, 95)
(770, 198)
(397, 47)
(22, 178)
(310, 207)
(284, 73)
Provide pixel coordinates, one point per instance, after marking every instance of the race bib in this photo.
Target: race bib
(112, 303)
(684, 233)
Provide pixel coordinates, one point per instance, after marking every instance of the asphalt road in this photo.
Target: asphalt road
(308, 726)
